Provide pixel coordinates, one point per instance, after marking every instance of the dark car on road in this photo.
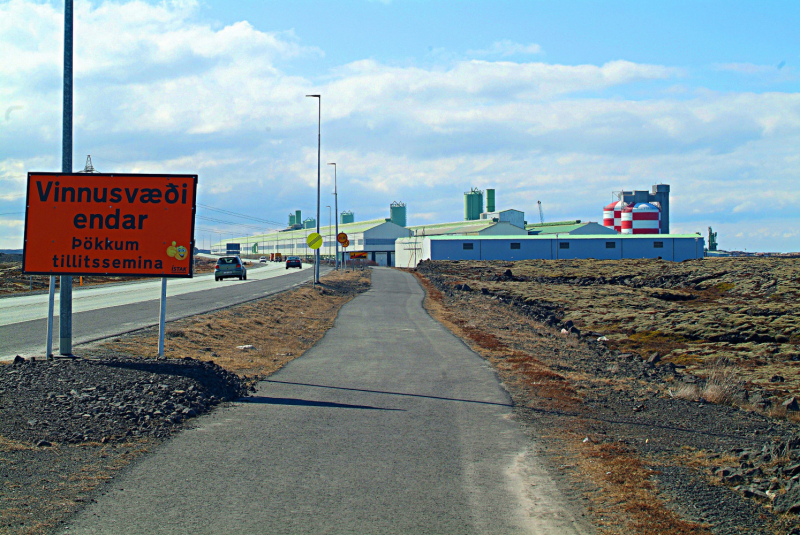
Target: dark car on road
(230, 266)
(294, 261)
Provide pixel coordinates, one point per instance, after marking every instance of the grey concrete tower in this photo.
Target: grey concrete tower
(660, 194)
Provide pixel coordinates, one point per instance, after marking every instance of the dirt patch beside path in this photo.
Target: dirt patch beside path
(646, 462)
(252, 340)
(69, 426)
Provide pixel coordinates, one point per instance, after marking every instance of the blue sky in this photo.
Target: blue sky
(561, 102)
(691, 34)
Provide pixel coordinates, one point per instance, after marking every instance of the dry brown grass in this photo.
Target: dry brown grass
(281, 328)
(28, 509)
(701, 459)
(627, 502)
(689, 392)
(723, 383)
(13, 445)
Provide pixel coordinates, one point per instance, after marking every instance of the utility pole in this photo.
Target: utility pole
(336, 209)
(65, 290)
(329, 228)
(319, 152)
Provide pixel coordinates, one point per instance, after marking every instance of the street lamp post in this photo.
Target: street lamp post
(319, 152)
(65, 288)
(330, 224)
(336, 209)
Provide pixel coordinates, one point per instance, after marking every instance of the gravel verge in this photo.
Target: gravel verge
(112, 399)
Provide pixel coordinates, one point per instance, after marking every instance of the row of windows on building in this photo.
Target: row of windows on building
(304, 245)
(564, 245)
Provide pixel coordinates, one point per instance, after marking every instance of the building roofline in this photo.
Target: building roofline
(356, 226)
(557, 223)
(557, 236)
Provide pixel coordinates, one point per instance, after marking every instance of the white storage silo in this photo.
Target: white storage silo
(641, 218)
(608, 215)
(612, 215)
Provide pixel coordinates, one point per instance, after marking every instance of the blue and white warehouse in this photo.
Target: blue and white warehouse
(674, 247)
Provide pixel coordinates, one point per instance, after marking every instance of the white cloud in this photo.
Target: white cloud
(506, 48)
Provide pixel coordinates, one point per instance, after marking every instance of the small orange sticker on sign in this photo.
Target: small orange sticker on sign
(109, 224)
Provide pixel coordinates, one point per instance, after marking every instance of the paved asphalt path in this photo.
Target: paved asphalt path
(388, 425)
(28, 337)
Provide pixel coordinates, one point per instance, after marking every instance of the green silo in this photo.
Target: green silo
(298, 219)
(346, 217)
(310, 223)
(490, 200)
(291, 220)
(473, 204)
(397, 212)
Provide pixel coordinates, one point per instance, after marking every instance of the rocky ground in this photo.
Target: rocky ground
(67, 426)
(112, 399)
(665, 444)
(741, 310)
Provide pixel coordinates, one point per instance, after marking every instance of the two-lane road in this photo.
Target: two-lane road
(103, 311)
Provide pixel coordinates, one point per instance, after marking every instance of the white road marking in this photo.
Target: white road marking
(32, 307)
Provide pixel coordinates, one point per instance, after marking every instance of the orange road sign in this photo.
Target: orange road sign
(346, 244)
(341, 237)
(360, 254)
(109, 224)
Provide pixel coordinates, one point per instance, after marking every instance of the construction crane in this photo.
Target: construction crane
(541, 214)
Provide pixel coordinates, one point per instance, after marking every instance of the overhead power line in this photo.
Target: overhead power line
(232, 223)
(237, 214)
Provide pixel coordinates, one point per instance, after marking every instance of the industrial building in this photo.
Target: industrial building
(636, 225)
(478, 227)
(376, 237)
(574, 228)
(679, 247)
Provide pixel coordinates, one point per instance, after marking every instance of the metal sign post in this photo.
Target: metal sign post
(49, 353)
(314, 241)
(341, 238)
(162, 317)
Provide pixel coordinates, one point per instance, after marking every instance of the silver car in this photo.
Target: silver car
(230, 266)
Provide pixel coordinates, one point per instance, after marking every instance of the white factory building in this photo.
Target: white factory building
(376, 238)
(492, 235)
